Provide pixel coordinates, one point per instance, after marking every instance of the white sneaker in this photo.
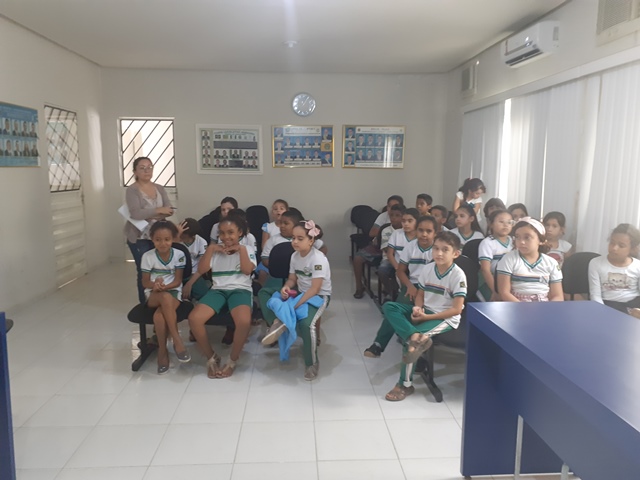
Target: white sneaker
(274, 332)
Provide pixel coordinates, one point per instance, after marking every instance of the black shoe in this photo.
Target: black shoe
(374, 351)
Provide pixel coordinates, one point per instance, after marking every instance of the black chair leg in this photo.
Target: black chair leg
(146, 349)
(427, 376)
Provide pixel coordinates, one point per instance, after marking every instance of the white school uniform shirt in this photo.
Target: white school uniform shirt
(314, 265)
(474, 236)
(473, 202)
(617, 284)
(398, 241)
(382, 219)
(271, 228)
(530, 279)
(415, 257)
(385, 236)
(558, 253)
(225, 271)
(214, 232)
(277, 239)
(154, 265)
(440, 290)
(196, 250)
(493, 250)
(248, 240)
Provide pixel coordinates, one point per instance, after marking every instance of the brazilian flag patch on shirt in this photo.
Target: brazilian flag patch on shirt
(318, 267)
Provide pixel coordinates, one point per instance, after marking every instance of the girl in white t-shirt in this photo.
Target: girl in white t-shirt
(526, 274)
(226, 205)
(559, 249)
(310, 271)
(615, 279)
(231, 264)
(162, 270)
(467, 226)
(493, 248)
(269, 229)
(470, 192)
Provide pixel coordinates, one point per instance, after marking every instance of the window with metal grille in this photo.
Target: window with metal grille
(62, 149)
(152, 138)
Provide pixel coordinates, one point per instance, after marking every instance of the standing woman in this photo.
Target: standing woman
(146, 201)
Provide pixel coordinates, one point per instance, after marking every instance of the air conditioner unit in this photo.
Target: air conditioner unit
(535, 42)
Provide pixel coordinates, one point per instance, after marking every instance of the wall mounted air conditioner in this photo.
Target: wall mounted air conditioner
(533, 43)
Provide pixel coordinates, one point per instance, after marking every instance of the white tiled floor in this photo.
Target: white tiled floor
(81, 413)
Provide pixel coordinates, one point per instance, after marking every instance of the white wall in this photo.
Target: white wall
(577, 56)
(325, 195)
(36, 72)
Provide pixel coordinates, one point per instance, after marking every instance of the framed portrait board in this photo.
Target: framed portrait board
(302, 146)
(227, 149)
(18, 136)
(371, 146)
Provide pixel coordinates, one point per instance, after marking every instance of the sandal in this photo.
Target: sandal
(359, 294)
(399, 393)
(227, 370)
(213, 366)
(419, 345)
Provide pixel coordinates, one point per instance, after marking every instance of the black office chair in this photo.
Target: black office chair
(257, 216)
(361, 218)
(470, 249)
(208, 221)
(455, 338)
(280, 260)
(575, 273)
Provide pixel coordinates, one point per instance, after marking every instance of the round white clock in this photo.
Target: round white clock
(303, 104)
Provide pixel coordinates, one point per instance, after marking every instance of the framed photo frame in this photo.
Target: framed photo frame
(373, 146)
(229, 149)
(302, 146)
(18, 136)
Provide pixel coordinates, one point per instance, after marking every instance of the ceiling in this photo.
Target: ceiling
(333, 36)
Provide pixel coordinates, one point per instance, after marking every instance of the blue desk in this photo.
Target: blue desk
(7, 459)
(571, 370)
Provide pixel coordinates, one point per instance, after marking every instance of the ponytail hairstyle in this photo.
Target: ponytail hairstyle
(634, 236)
(471, 185)
(239, 218)
(475, 226)
(163, 225)
(312, 230)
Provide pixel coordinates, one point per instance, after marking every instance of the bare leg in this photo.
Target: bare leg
(197, 318)
(358, 270)
(168, 305)
(242, 319)
(161, 331)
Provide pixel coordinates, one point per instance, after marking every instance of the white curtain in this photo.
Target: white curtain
(613, 196)
(526, 151)
(570, 134)
(481, 143)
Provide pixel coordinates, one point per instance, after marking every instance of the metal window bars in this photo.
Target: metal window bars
(62, 149)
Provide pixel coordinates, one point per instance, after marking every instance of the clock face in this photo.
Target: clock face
(303, 104)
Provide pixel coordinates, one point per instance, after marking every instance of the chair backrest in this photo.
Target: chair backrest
(280, 259)
(257, 216)
(470, 249)
(188, 268)
(367, 220)
(207, 222)
(379, 236)
(575, 273)
(471, 269)
(358, 216)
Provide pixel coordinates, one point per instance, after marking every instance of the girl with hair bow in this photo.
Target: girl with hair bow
(310, 272)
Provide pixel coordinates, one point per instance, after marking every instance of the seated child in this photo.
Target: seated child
(559, 249)
(467, 226)
(436, 309)
(615, 279)
(413, 259)
(492, 205)
(527, 274)
(385, 270)
(231, 264)
(162, 270)
(497, 243)
(189, 232)
(268, 229)
(423, 204)
(441, 214)
(310, 271)
(226, 205)
(517, 211)
(369, 253)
